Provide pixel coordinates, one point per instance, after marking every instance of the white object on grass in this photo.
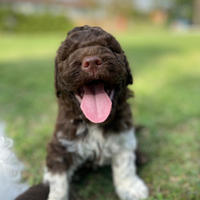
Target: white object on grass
(10, 169)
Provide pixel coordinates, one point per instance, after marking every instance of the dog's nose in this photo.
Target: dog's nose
(92, 64)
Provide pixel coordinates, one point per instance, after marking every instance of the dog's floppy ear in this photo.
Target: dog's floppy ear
(56, 78)
(128, 71)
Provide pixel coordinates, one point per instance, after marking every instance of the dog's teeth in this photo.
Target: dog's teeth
(108, 92)
(80, 92)
(112, 94)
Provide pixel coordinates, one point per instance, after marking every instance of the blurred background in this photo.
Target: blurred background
(28, 16)
(161, 39)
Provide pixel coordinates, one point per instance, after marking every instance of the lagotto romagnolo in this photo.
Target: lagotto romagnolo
(94, 121)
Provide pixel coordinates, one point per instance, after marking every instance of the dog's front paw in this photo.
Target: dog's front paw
(134, 190)
(55, 197)
(58, 185)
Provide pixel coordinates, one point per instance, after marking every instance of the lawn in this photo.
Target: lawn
(166, 69)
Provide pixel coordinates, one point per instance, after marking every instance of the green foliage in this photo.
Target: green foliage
(11, 21)
(182, 9)
(166, 86)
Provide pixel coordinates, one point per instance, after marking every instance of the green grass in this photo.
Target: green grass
(166, 69)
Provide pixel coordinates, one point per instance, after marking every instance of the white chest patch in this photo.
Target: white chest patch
(100, 148)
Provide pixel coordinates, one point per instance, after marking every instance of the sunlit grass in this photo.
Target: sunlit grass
(20, 47)
(166, 69)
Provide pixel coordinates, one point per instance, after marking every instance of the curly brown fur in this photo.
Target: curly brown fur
(68, 148)
(82, 42)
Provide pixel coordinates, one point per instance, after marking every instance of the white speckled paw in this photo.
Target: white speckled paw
(52, 197)
(136, 190)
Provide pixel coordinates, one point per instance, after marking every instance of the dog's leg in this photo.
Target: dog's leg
(127, 184)
(59, 185)
(59, 181)
(60, 168)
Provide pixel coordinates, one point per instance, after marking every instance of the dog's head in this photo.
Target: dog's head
(92, 73)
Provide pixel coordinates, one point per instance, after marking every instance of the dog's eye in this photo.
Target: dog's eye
(117, 57)
(111, 49)
(77, 63)
(114, 50)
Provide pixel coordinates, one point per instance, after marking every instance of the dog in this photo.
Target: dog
(94, 121)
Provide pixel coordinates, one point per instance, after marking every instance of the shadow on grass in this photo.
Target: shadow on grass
(94, 184)
(142, 57)
(173, 102)
(25, 86)
(171, 115)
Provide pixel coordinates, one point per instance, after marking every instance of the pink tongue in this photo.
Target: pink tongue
(96, 105)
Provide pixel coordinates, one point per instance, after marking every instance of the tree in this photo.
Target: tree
(196, 14)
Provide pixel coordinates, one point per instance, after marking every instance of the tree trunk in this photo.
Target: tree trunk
(196, 15)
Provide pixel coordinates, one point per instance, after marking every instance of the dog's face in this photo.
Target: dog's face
(92, 73)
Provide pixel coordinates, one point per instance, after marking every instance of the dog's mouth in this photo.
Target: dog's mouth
(95, 100)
